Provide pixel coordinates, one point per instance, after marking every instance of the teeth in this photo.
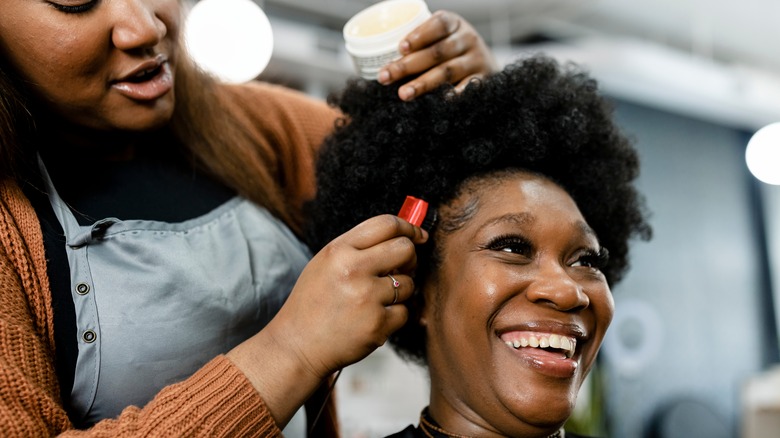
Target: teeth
(568, 345)
(145, 72)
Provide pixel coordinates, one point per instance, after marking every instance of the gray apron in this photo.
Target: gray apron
(155, 301)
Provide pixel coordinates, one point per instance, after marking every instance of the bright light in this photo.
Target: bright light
(232, 39)
(763, 154)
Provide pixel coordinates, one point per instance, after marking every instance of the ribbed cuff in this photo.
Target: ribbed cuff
(216, 401)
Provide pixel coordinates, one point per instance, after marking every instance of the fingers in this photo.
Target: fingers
(438, 27)
(445, 49)
(400, 293)
(376, 230)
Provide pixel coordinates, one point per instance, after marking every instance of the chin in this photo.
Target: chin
(552, 413)
(140, 121)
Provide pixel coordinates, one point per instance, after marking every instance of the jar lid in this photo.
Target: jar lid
(384, 23)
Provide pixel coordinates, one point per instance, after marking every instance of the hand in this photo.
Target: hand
(447, 49)
(340, 310)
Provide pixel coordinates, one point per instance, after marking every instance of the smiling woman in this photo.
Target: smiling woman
(532, 184)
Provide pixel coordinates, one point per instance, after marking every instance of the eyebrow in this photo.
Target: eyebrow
(587, 230)
(526, 218)
(513, 218)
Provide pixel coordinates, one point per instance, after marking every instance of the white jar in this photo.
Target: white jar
(373, 34)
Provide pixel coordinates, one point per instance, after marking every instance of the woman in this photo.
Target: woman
(148, 221)
(531, 182)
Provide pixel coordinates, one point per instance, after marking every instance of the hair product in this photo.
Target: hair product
(373, 34)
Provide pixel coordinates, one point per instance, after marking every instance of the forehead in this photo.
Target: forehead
(516, 198)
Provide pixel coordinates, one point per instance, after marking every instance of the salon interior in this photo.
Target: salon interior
(693, 349)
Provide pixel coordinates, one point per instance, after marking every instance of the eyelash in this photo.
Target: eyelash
(597, 259)
(516, 244)
(75, 9)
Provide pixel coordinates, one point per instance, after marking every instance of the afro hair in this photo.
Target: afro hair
(534, 115)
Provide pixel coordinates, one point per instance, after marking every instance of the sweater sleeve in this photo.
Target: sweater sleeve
(216, 401)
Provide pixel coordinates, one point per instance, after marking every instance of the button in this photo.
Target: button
(82, 288)
(89, 336)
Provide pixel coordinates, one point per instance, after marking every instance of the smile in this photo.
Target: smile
(545, 341)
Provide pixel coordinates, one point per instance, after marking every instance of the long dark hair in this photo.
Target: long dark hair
(16, 124)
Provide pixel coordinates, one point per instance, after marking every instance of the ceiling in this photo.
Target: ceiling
(709, 58)
(731, 31)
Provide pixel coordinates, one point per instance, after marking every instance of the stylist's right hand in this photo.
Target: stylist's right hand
(340, 310)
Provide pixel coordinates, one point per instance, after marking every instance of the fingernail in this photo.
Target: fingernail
(404, 47)
(384, 77)
(406, 93)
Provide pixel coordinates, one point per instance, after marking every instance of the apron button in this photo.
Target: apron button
(82, 288)
(89, 336)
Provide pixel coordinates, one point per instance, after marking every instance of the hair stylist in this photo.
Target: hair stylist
(148, 229)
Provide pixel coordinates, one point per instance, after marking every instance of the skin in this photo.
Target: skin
(523, 261)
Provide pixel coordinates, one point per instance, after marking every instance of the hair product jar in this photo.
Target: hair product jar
(373, 34)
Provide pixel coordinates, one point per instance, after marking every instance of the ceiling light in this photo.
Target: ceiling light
(232, 39)
(763, 154)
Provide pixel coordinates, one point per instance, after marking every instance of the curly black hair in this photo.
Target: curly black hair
(535, 115)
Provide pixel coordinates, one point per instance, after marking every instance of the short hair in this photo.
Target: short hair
(535, 115)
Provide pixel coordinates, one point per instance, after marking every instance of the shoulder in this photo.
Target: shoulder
(275, 108)
(265, 95)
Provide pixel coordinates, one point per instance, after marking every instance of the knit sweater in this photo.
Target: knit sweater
(217, 400)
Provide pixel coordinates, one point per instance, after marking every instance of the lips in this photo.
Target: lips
(147, 81)
(550, 350)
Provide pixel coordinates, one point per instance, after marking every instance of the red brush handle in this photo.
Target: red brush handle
(413, 210)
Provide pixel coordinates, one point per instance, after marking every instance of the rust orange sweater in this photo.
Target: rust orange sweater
(217, 400)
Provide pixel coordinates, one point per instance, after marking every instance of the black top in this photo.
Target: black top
(428, 432)
(155, 185)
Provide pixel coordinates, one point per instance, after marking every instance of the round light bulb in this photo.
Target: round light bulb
(231, 39)
(763, 154)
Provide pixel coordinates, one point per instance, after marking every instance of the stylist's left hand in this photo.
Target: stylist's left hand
(445, 49)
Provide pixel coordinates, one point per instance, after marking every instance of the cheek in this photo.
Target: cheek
(53, 56)
(605, 309)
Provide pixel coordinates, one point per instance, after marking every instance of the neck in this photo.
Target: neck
(431, 429)
(67, 139)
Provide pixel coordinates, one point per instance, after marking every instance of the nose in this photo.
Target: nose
(136, 25)
(553, 286)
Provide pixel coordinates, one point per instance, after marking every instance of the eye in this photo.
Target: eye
(73, 7)
(593, 259)
(512, 244)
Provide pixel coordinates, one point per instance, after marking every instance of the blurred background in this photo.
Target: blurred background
(693, 350)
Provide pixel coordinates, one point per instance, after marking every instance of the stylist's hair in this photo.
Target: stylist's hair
(534, 116)
(16, 124)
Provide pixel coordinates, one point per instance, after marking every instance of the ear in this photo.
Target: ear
(425, 305)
